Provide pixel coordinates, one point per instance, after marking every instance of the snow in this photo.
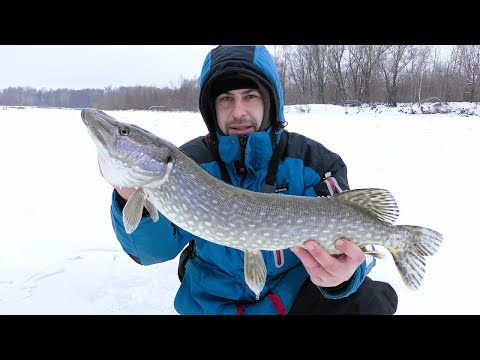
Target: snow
(60, 255)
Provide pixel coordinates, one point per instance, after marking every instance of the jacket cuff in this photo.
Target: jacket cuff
(348, 287)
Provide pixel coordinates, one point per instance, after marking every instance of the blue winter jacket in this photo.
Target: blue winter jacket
(214, 281)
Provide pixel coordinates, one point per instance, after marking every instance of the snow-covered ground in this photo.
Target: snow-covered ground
(60, 255)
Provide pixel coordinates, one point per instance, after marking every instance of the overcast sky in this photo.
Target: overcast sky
(99, 66)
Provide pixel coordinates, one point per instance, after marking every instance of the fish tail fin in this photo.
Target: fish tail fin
(410, 260)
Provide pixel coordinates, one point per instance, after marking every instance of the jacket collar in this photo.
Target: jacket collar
(258, 150)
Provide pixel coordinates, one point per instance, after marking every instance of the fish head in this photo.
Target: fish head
(128, 155)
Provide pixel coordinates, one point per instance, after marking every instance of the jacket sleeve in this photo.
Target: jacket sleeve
(151, 242)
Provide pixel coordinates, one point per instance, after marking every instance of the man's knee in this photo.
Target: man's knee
(375, 298)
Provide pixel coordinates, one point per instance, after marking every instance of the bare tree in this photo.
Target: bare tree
(452, 67)
(300, 73)
(337, 73)
(319, 70)
(393, 65)
(281, 54)
(469, 69)
(364, 60)
(354, 74)
(419, 57)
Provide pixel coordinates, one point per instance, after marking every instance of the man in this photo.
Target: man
(241, 101)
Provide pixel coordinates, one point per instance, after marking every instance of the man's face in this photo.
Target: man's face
(239, 111)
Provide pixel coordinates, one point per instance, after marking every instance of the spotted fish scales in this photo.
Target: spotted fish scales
(170, 182)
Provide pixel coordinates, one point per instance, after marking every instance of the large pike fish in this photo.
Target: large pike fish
(170, 182)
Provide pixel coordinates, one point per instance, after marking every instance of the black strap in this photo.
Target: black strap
(187, 254)
(278, 150)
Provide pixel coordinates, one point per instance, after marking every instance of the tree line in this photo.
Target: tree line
(310, 74)
(338, 74)
(182, 98)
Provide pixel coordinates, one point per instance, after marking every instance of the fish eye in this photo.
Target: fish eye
(123, 131)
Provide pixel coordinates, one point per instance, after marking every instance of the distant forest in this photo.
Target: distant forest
(310, 74)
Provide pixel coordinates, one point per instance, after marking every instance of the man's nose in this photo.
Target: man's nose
(239, 109)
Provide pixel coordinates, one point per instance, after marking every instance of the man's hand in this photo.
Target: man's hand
(327, 270)
(123, 192)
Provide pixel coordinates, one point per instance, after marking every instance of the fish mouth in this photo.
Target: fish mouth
(93, 117)
(104, 131)
(100, 126)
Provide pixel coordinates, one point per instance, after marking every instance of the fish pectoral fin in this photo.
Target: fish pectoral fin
(152, 210)
(132, 212)
(255, 271)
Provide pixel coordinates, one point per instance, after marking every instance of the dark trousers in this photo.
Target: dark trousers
(372, 298)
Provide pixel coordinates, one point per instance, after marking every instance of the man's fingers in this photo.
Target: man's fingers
(316, 259)
(303, 255)
(326, 269)
(314, 269)
(352, 252)
(322, 257)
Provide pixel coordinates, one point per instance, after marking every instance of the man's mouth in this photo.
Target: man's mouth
(240, 129)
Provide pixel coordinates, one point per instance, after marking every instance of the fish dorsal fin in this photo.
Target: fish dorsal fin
(377, 202)
(132, 212)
